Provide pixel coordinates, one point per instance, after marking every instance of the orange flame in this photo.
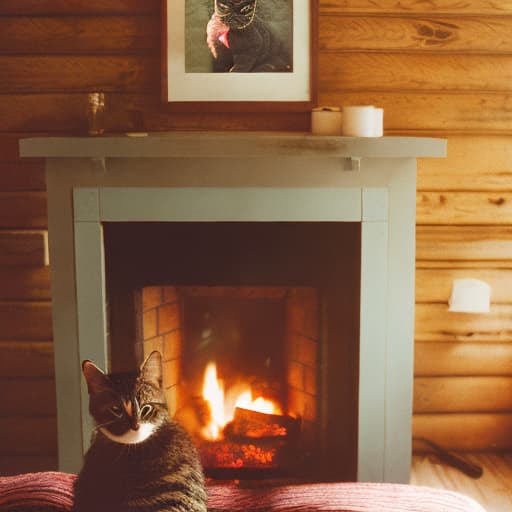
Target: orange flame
(222, 409)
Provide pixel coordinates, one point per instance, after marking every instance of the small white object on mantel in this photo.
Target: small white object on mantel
(470, 296)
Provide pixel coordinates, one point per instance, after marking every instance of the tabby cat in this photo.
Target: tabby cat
(139, 460)
(242, 41)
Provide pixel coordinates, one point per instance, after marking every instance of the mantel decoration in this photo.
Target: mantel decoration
(239, 54)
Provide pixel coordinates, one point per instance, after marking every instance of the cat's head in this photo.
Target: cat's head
(236, 14)
(127, 408)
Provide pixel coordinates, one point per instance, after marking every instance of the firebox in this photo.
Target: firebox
(250, 318)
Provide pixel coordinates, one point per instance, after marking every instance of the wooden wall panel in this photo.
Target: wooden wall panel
(444, 359)
(25, 321)
(24, 281)
(341, 34)
(78, 7)
(466, 432)
(17, 176)
(80, 35)
(464, 243)
(23, 248)
(57, 73)
(435, 323)
(29, 397)
(434, 285)
(411, 72)
(23, 210)
(462, 394)
(474, 163)
(28, 435)
(464, 208)
(30, 359)
(404, 7)
(441, 112)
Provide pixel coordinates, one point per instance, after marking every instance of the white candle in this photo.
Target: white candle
(359, 121)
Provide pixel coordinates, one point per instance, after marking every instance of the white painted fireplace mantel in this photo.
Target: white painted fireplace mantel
(208, 176)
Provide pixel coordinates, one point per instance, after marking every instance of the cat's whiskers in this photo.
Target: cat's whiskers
(97, 427)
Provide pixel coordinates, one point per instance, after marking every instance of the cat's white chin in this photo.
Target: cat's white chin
(131, 436)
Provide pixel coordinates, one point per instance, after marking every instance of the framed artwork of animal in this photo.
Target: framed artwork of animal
(250, 55)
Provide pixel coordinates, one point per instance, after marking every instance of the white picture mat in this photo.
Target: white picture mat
(286, 86)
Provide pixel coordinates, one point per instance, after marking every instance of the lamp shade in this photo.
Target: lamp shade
(470, 296)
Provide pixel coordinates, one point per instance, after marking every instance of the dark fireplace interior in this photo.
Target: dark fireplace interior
(258, 324)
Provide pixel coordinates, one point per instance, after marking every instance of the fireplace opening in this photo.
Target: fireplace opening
(258, 324)
(242, 369)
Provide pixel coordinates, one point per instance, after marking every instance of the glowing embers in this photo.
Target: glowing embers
(243, 432)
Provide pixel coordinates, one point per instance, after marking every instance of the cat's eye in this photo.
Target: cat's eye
(146, 411)
(116, 411)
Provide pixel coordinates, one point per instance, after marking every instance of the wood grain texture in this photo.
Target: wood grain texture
(466, 432)
(477, 34)
(78, 7)
(474, 163)
(414, 72)
(463, 243)
(432, 7)
(23, 248)
(434, 285)
(58, 73)
(73, 35)
(30, 359)
(22, 282)
(463, 208)
(433, 322)
(17, 176)
(440, 112)
(25, 321)
(462, 394)
(131, 112)
(436, 359)
(23, 210)
(28, 436)
(29, 397)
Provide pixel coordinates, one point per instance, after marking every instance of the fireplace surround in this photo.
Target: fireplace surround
(251, 178)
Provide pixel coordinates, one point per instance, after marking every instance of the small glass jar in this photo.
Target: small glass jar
(96, 113)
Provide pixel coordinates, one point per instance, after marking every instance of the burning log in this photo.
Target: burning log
(254, 440)
(258, 425)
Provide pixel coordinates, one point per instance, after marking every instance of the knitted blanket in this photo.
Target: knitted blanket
(53, 492)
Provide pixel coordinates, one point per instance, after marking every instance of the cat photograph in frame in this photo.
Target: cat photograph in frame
(238, 54)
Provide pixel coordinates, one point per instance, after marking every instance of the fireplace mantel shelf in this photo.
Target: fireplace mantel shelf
(231, 144)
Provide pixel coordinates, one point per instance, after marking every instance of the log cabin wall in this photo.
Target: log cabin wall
(440, 68)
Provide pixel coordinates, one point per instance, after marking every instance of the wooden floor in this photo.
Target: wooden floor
(493, 490)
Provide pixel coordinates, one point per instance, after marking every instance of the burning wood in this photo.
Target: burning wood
(253, 440)
(253, 424)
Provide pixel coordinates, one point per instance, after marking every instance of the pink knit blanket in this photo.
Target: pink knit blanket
(53, 491)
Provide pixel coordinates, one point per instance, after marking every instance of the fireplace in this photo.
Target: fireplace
(296, 236)
(273, 309)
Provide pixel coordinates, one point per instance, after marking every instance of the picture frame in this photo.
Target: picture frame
(239, 55)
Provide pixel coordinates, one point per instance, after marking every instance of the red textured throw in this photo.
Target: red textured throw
(340, 497)
(53, 491)
(37, 491)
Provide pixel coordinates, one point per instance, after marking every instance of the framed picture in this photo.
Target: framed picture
(239, 54)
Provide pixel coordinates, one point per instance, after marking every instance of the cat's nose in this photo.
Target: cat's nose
(135, 426)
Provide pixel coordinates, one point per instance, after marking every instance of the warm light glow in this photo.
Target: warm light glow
(221, 410)
(213, 393)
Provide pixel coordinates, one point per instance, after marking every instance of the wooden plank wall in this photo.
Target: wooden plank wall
(440, 68)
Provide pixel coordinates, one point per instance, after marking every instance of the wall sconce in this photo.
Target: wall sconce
(470, 296)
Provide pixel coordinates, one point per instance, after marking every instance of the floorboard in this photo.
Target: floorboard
(493, 490)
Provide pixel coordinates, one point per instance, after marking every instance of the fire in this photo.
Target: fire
(222, 408)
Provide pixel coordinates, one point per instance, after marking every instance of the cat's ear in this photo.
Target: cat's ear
(97, 381)
(151, 369)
